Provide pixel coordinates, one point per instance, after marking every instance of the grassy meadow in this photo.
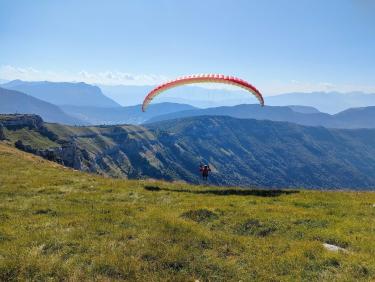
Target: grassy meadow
(57, 224)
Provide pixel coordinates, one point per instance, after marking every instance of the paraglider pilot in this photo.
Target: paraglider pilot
(204, 170)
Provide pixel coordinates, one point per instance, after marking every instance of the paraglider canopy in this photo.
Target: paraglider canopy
(202, 78)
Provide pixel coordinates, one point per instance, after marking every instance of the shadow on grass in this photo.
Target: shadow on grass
(225, 192)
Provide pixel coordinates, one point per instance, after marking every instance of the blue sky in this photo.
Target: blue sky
(279, 46)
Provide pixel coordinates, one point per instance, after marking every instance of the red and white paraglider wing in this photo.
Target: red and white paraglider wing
(202, 78)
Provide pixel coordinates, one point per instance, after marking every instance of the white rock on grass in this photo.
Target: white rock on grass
(333, 248)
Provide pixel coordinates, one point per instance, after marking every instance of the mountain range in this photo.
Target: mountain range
(63, 93)
(82, 104)
(17, 102)
(328, 102)
(244, 152)
(351, 118)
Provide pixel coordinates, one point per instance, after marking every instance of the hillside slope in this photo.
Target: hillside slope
(60, 224)
(274, 154)
(358, 117)
(241, 152)
(12, 102)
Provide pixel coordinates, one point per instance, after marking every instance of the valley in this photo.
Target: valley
(241, 152)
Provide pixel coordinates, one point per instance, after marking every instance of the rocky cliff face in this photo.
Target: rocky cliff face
(69, 152)
(68, 155)
(19, 121)
(117, 151)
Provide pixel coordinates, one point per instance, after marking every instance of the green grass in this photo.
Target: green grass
(29, 137)
(59, 224)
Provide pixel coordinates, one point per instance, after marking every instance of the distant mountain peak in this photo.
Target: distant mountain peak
(328, 102)
(304, 109)
(12, 101)
(63, 93)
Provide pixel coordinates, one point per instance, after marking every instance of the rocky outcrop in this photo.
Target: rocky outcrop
(17, 121)
(47, 154)
(20, 121)
(71, 156)
(68, 155)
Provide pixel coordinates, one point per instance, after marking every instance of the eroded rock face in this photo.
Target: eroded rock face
(72, 156)
(68, 155)
(19, 121)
